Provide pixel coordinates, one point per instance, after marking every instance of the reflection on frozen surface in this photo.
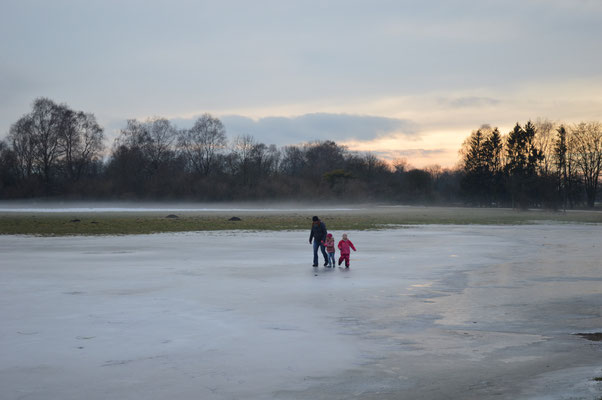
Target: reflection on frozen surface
(475, 312)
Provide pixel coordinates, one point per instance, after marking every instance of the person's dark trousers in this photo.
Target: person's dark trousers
(321, 246)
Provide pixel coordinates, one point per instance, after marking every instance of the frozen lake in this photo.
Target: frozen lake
(427, 312)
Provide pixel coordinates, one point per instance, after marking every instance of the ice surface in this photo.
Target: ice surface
(424, 312)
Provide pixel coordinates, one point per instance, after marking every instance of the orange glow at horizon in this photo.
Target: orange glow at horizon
(427, 149)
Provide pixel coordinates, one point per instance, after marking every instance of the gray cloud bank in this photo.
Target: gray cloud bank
(315, 126)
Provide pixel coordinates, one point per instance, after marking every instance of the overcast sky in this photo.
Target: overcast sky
(400, 78)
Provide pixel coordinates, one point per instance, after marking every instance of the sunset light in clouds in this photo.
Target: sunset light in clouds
(398, 79)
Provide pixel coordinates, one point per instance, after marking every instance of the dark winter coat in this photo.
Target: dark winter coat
(318, 231)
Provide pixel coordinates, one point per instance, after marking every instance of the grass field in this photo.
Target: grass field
(373, 217)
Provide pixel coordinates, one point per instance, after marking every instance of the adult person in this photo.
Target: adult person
(318, 235)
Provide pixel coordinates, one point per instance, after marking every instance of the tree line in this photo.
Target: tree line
(54, 152)
(540, 164)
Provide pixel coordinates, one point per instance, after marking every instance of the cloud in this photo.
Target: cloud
(420, 152)
(470, 101)
(317, 126)
(304, 128)
(411, 153)
(420, 158)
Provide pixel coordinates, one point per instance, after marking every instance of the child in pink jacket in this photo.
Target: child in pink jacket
(344, 246)
(329, 243)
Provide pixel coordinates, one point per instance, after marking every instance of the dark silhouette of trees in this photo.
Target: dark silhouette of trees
(544, 141)
(23, 144)
(9, 173)
(293, 161)
(37, 135)
(338, 179)
(446, 186)
(242, 158)
(476, 175)
(126, 173)
(202, 144)
(81, 144)
(56, 151)
(144, 160)
(587, 147)
(154, 138)
(565, 170)
(418, 185)
(321, 157)
(481, 161)
(568, 181)
(560, 156)
(523, 159)
(52, 144)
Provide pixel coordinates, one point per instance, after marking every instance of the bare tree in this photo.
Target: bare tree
(36, 138)
(23, 144)
(272, 159)
(81, 142)
(544, 141)
(574, 182)
(132, 136)
(154, 138)
(52, 136)
(323, 156)
(162, 138)
(8, 167)
(263, 160)
(242, 152)
(561, 163)
(401, 165)
(293, 161)
(202, 143)
(586, 145)
(374, 165)
(434, 170)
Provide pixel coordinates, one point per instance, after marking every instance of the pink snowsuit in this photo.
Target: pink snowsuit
(329, 243)
(344, 246)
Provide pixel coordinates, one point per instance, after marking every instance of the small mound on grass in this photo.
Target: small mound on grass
(595, 337)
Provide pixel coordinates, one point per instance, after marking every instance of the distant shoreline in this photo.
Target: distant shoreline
(43, 210)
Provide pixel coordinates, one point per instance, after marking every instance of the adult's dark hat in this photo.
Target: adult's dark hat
(315, 218)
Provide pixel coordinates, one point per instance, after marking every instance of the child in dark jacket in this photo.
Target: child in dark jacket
(329, 243)
(344, 246)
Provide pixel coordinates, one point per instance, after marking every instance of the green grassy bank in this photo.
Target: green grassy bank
(127, 223)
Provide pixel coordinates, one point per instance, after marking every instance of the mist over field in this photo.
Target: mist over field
(149, 206)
